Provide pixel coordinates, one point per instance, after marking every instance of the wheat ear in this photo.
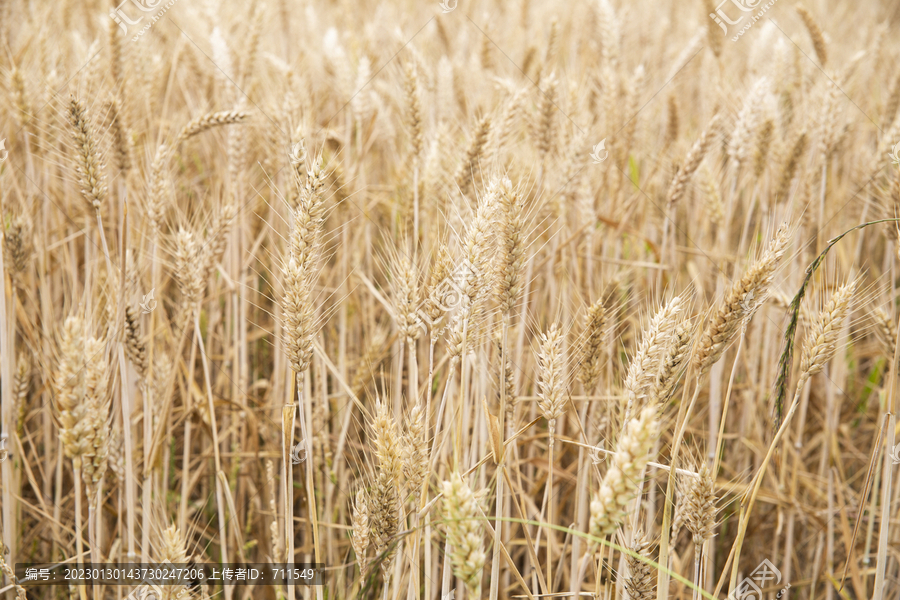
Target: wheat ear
(510, 260)
(644, 367)
(740, 304)
(464, 533)
(692, 162)
(359, 536)
(815, 33)
(595, 330)
(208, 121)
(619, 486)
(89, 167)
(385, 499)
(639, 581)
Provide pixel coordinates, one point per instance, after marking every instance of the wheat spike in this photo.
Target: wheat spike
(474, 152)
(17, 239)
(670, 366)
(545, 130)
(21, 386)
(640, 581)
(172, 551)
(405, 294)
(815, 33)
(89, 167)
(440, 293)
(671, 121)
(713, 34)
(135, 349)
(644, 367)
(188, 269)
(748, 119)
(208, 121)
(763, 143)
(464, 533)
(68, 384)
(510, 260)
(819, 346)
(385, 499)
(96, 400)
(156, 197)
(790, 167)
(415, 451)
(552, 384)
(885, 330)
(692, 162)
(740, 304)
(610, 503)
(359, 535)
(217, 238)
(595, 330)
(120, 143)
(413, 110)
(700, 507)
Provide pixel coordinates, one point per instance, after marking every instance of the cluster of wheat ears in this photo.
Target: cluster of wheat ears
(506, 299)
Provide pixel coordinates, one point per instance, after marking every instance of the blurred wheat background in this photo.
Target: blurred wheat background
(463, 300)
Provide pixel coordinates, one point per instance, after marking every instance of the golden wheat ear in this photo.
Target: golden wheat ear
(464, 533)
(89, 166)
(619, 485)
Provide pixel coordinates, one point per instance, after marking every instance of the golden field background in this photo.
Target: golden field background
(438, 295)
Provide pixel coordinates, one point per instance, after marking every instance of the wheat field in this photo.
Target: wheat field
(455, 300)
